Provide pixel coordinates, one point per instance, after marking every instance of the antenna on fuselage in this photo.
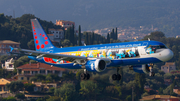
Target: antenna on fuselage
(149, 39)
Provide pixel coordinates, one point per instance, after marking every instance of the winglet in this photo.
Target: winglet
(11, 48)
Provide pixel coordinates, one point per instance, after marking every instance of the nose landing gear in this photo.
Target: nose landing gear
(151, 73)
(116, 76)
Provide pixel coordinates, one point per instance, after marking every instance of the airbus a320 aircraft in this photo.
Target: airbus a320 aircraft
(139, 56)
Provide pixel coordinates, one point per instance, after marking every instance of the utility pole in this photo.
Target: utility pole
(132, 94)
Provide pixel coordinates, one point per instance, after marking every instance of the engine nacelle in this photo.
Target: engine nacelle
(97, 65)
(141, 68)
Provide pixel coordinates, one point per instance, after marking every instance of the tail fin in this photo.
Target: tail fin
(41, 40)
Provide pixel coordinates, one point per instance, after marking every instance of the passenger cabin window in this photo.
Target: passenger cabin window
(153, 49)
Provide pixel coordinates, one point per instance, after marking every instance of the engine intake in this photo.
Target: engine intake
(140, 68)
(97, 65)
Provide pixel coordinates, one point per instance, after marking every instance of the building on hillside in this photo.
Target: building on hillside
(35, 96)
(27, 71)
(159, 98)
(56, 35)
(44, 86)
(167, 82)
(65, 24)
(177, 90)
(4, 46)
(3, 83)
(9, 65)
(168, 67)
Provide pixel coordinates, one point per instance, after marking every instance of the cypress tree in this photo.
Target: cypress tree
(89, 39)
(112, 34)
(79, 36)
(92, 38)
(86, 39)
(72, 35)
(116, 37)
(108, 38)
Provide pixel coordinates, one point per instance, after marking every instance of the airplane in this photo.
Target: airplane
(140, 56)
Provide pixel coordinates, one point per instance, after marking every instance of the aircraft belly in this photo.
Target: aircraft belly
(137, 61)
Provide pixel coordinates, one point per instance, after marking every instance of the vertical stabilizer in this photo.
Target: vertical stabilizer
(41, 40)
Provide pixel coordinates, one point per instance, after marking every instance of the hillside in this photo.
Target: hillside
(94, 14)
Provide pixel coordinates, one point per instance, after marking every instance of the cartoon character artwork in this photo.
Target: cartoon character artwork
(131, 53)
(120, 54)
(149, 50)
(109, 54)
(91, 55)
(102, 54)
(83, 54)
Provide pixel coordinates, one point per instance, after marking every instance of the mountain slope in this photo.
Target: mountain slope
(96, 14)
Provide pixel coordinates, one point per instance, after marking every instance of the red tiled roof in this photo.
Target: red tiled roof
(50, 34)
(38, 66)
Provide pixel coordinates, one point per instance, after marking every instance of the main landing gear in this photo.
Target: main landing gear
(116, 76)
(85, 75)
(151, 73)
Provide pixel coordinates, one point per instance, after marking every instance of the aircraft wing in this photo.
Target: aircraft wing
(39, 54)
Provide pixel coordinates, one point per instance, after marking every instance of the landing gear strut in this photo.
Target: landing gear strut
(116, 76)
(151, 73)
(85, 75)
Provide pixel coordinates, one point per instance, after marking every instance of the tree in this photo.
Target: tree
(89, 89)
(31, 44)
(140, 81)
(116, 35)
(157, 35)
(29, 87)
(108, 38)
(72, 36)
(9, 99)
(54, 98)
(128, 98)
(51, 90)
(66, 43)
(86, 39)
(20, 96)
(67, 92)
(79, 36)
(92, 38)
(15, 86)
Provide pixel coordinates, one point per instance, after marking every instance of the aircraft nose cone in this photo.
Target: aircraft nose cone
(168, 54)
(171, 54)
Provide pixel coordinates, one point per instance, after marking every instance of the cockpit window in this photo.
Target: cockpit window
(152, 49)
(163, 46)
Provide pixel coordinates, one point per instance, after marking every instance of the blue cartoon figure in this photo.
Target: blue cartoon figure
(109, 54)
(91, 54)
(83, 54)
(102, 54)
(120, 54)
(149, 50)
(132, 54)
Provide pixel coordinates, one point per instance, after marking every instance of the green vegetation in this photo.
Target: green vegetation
(100, 86)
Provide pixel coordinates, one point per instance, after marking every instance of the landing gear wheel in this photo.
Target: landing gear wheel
(83, 76)
(87, 76)
(118, 77)
(114, 77)
(152, 74)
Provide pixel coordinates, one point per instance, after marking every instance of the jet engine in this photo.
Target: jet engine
(97, 65)
(140, 68)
